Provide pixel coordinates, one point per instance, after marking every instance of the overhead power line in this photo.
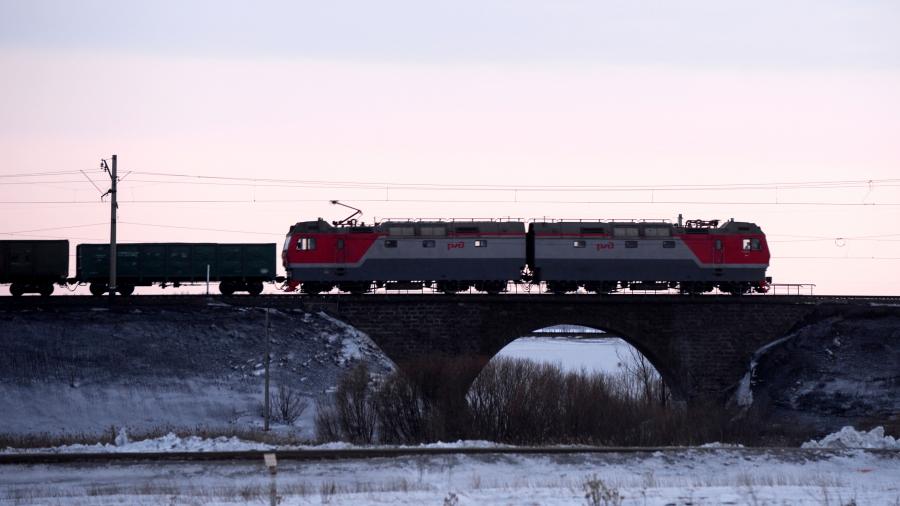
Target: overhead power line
(467, 201)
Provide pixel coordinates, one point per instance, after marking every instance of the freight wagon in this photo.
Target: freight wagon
(33, 266)
(237, 267)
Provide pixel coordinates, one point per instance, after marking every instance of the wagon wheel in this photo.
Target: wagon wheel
(46, 289)
(98, 289)
(125, 289)
(254, 287)
(16, 290)
(226, 287)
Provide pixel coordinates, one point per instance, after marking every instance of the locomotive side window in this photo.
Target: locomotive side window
(751, 245)
(625, 232)
(668, 244)
(428, 244)
(401, 231)
(480, 243)
(306, 243)
(578, 244)
(390, 243)
(631, 244)
(340, 244)
(433, 231)
(718, 245)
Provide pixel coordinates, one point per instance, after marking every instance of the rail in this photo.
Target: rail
(395, 452)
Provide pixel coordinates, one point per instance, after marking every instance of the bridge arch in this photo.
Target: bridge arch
(701, 346)
(584, 331)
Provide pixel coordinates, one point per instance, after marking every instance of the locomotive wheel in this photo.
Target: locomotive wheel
(491, 287)
(98, 289)
(449, 287)
(356, 288)
(125, 289)
(313, 288)
(226, 287)
(254, 287)
(561, 287)
(735, 288)
(16, 289)
(46, 289)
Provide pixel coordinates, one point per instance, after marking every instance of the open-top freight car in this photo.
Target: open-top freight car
(33, 266)
(236, 267)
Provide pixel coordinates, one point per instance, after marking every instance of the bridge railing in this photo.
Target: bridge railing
(791, 289)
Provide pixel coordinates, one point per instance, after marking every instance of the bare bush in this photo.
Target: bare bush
(288, 405)
(351, 416)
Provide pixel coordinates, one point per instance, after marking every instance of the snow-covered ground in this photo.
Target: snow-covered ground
(846, 473)
(697, 477)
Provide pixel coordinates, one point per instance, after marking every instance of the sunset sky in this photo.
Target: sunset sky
(527, 109)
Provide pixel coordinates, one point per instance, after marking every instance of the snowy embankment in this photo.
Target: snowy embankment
(846, 438)
(171, 443)
(76, 372)
(713, 476)
(838, 371)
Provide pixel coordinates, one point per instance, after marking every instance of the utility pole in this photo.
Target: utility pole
(268, 355)
(112, 226)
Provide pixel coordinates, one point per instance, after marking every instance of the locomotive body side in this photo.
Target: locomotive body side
(605, 256)
(454, 255)
(33, 266)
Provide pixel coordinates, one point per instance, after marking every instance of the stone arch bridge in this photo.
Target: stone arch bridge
(701, 345)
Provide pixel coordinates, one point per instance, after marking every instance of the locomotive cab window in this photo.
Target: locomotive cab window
(751, 245)
(480, 243)
(306, 243)
(579, 244)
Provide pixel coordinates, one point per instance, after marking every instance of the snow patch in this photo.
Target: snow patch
(848, 437)
(168, 443)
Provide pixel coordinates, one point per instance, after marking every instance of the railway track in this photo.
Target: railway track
(371, 453)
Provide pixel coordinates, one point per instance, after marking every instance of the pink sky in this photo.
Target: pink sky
(510, 122)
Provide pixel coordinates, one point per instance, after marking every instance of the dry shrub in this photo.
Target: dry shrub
(288, 405)
(350, 417)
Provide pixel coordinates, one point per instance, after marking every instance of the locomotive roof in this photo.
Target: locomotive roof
(435, 227)
(606, 227)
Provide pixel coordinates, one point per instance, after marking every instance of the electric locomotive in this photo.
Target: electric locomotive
(597, 256)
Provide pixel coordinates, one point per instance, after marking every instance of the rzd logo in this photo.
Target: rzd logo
(456, 245)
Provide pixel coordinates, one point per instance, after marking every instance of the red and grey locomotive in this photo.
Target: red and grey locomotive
(598, 256)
